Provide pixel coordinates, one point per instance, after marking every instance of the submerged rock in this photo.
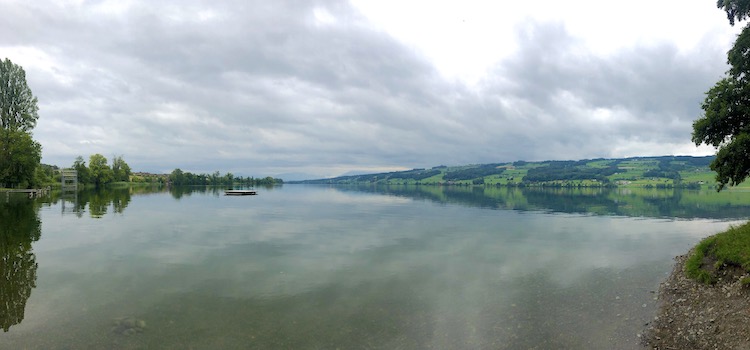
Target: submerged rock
(128, 325)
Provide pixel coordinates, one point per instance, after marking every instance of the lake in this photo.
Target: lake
(315, 267)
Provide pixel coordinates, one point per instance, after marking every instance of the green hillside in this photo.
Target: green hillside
(649, 172)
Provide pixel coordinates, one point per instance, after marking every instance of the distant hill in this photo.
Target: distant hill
(665, 171)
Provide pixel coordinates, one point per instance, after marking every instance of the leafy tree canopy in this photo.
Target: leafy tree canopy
(726, 120)
(737, 10)
(120, 169)
(19, 158)
(99, 171)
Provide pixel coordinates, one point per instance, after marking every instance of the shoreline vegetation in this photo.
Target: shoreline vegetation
(98, 173)
(662, 172)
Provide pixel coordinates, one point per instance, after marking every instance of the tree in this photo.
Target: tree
(83, 172)
(726, 120)
(735, 9)
(100, 172)
(45, 174)
(177, 177)
(120, 169)
(18, 106)
(20, 155)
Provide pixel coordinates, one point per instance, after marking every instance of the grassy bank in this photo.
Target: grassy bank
(726, 253)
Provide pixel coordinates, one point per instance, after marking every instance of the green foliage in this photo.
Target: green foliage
(737, 10)
(84, 175)
(569, 171)
(474, 173)
(46, 174)
(416, 174)
(186, 178)
(19, 153)
(667, 169)
(730, 248)
(100, 172)
(19, 158)
(725, 125)
(732, 163)
(694, 264)
(120, 170)
(18, 106)
(726, 120)
(177, 177)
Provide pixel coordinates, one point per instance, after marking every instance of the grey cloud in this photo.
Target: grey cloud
(556, 87)
(261, 88)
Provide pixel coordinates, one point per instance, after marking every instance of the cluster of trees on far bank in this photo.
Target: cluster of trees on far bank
(99, 173)
(186, 178)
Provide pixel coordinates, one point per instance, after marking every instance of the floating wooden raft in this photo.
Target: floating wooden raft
(240, 192)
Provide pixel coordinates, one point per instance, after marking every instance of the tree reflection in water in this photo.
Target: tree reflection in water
(20, 227)
(100, 201)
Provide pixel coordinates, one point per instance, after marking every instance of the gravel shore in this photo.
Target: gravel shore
(697, 316)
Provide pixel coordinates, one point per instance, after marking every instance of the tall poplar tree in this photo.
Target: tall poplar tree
(19, 153)
(18, 106)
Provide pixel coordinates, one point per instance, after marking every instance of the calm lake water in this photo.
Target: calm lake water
(306, 267)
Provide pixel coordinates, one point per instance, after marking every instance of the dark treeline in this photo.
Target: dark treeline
(472, 173)
(99, 173)
(185, 178)
(569, 171)
(416, 174)
(667, 169)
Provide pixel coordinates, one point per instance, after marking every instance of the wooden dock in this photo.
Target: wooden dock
(32, 192)
(240, 192)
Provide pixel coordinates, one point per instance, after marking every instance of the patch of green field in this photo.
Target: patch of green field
(510, 175)
(638, 163)
(433, 179)
(627, 174)
(705, 176)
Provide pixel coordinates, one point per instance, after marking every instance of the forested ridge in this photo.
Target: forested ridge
(663, 171)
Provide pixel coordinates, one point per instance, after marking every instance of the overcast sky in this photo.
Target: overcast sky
(326, 87)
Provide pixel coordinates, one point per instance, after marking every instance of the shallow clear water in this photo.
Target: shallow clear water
(324, 268)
